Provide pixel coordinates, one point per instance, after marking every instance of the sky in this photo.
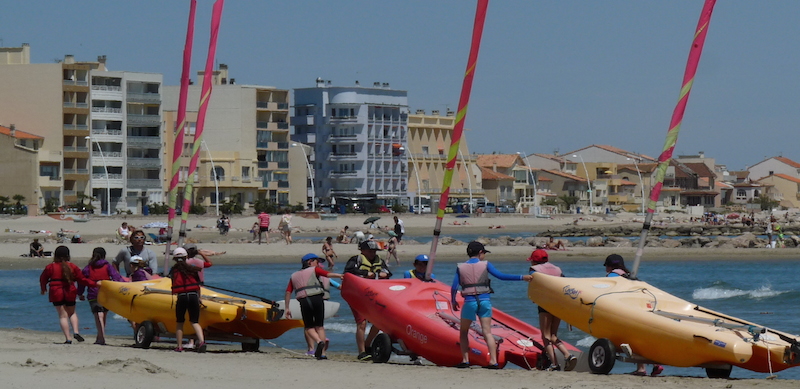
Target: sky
(551, 76)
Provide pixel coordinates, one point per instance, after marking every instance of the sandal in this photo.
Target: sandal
(78, 337)
(638, 373)
(462, 365)
(492, 367)
(657, 369)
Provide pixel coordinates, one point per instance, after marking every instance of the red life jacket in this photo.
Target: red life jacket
(183, 283)
(99, 273)
(474, 278)
(305, 283)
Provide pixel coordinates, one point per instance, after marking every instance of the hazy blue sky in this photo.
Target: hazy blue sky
(551, 74)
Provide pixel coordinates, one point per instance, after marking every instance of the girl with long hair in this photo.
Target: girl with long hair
(98, 269)
(61, 275)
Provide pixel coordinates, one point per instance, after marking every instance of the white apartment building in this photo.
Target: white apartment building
(126, 126)
(359, 136)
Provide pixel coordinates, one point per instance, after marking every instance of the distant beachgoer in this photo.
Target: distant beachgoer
(473, 278)
(343, 237)
(328, 253)
(98, 269)
(549, 323)
(494, 227)
(358, 237)
(125, 231)
(399, 229)
(36, 248)
(60, 275)
(555, 244)
(263, 226)
(254, 230)
(615, 267)
(286, 227)
(391, 247)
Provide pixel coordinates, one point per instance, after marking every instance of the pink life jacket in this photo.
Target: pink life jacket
(326, 287)
(305, 283)
(474, 278)
(547, 268)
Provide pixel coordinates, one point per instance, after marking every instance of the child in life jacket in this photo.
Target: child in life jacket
(186, 285)
(60, 276)
(98, 269)
(140, 270)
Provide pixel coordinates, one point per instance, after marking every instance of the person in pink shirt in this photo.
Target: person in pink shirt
(199, 258)
(263, 226)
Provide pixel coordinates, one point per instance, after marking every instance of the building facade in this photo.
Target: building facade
(244, 150)
(359, 136)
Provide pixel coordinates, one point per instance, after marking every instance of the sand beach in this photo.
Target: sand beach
(36, 359)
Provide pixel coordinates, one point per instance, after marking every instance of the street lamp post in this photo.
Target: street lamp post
(638, 172)
(469, 179)
(214, 172)
(419, 185)
(310, 175)
(587, 178)
(533, 179)
(108, 179)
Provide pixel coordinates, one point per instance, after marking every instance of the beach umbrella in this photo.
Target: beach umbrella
(733, 216)
(371, 219)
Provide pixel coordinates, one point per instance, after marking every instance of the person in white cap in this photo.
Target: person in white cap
(186, 285)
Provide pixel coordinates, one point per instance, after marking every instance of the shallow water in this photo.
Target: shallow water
(765, 292)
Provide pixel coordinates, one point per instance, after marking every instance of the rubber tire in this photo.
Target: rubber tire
(145, 333)
(381, 348)
(602, 356)
(719, 373)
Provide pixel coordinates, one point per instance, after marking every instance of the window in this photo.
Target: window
(217, 198)
(740, 193)
(425, 150)
(49, 171)
(245, 172)
(218, 173)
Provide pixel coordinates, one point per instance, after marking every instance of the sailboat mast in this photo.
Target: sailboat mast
(205, 95)
(674, 126)
(458, 129)
(179, 130)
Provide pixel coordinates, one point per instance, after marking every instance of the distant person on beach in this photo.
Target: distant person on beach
(263, 226)
(343, 238)
(328, 253)
(36, 248)
(125, 231)
(555, 245)
(615, 267)
(358, 237)
(473, 278)
(186, 285)
(286, 227)
(769, 231)
(60, 275)
(368, 264)
(255, 230)
(309, 292)
(98, 269)
(391, 248)
(548, 323)
(136, 248)
(420, 267)
(399, 229)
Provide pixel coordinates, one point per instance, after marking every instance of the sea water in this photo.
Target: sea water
(762, 291)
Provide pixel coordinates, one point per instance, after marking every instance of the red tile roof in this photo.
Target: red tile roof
(505, 161)
(19, 134)
(788, 162)
(489, 174)
(785, 177)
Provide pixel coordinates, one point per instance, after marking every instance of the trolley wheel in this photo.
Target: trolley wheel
(145, 333)
(602, 355)
(719, 373)
(381, 348)
(251, 346)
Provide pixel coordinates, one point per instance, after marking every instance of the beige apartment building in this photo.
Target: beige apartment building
(429, 138)
(19, 156)
(244, 153)
(50, 100)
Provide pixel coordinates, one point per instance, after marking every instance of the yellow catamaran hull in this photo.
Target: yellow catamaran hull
(661, 327)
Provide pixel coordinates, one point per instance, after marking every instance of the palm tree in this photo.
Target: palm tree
(3, 201)
(568, 200)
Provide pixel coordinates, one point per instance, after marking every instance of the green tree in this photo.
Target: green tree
(18, 207)
(50, 205)
(568, 201)
(766, 203)
(264, 205)
(231, 207)
(3, 201)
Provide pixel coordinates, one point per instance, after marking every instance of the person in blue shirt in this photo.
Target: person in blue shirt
(473, 278)
(420, 266)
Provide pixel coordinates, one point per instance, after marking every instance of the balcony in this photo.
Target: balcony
(341, 119)
(143, 183)
(106, 110)
(144, 141)
(106, 131)
(283, 184)
(107, 88)
(283, 165)
(75, 83)
(145, 163)
(144, 120)
(342, 156)
(341, 173)
(76, 130)
(152, 98)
